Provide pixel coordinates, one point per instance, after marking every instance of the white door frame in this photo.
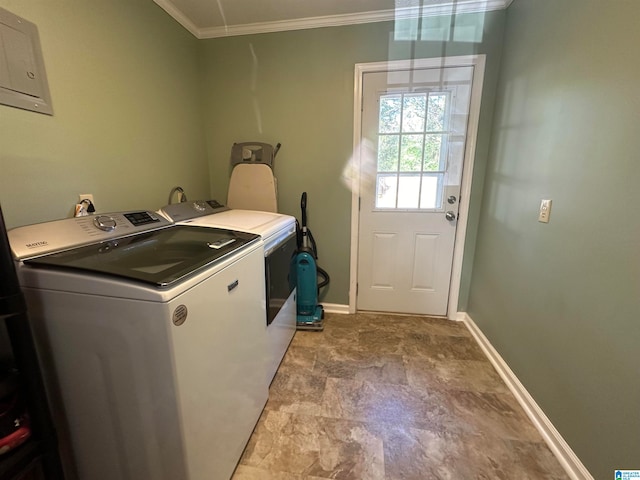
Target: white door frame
(477, 61)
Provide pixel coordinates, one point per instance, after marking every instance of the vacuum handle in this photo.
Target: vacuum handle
(303, 207)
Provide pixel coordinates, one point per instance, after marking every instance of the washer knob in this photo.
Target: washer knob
(105, 223)
(199, 206)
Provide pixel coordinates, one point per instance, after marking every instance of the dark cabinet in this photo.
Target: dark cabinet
(37, 458)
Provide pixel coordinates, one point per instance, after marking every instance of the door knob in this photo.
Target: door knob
(451, 216)
(452, 199)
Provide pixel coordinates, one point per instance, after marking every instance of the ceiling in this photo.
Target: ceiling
(221, 18)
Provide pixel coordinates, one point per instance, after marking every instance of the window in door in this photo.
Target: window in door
(412, 150)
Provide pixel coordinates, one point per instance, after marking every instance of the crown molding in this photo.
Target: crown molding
(433, 10)
(178, 16)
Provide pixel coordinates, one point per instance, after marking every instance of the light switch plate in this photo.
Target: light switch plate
(545, 211)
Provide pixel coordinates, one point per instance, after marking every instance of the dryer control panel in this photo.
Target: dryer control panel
(179, 212)
(42, 238)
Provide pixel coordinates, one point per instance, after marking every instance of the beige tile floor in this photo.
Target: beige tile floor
(392, 397)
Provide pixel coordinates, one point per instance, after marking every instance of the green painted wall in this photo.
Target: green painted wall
(297, 88)
(141, 106)
(561, 301)
(127, 122)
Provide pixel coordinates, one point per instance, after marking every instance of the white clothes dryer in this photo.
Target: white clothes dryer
(278, 233)
(153, 336)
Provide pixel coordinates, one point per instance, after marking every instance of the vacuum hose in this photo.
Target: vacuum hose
(303, 207)
(325, 278)
(308, 243)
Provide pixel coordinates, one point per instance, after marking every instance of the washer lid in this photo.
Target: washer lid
(161, 258)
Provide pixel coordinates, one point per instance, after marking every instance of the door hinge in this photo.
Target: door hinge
(359, 203)
(357, 288)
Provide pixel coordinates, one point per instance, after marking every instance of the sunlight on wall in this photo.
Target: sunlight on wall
(419, 22)
(254, 88)
(359, 173)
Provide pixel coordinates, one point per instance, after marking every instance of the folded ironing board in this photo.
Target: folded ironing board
(252, 185)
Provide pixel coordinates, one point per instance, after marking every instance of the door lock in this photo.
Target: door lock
(451, 216)
(452, 199)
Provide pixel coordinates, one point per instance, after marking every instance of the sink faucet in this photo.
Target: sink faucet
(182, 197)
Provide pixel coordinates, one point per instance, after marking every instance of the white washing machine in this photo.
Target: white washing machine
(151, 337)
(280, 245)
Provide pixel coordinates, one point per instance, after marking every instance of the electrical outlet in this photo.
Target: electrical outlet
(86, 196)
(545, 211)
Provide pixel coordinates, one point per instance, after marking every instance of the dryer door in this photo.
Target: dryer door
(281, 276)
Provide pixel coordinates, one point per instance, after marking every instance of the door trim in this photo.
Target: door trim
(477, 61)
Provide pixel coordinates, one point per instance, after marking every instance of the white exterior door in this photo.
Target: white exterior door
(414, 126)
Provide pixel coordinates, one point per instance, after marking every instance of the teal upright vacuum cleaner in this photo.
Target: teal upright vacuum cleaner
(310, 312)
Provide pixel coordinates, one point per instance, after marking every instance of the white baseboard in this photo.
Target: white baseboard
(335, 308)
(560, 448)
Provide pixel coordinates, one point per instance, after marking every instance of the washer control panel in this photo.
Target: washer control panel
(104, 222)
(42, 238)
(142, 218)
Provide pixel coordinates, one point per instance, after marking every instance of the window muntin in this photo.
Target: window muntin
(412, 150)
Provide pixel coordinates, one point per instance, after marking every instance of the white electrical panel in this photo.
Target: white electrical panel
(23, 82)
